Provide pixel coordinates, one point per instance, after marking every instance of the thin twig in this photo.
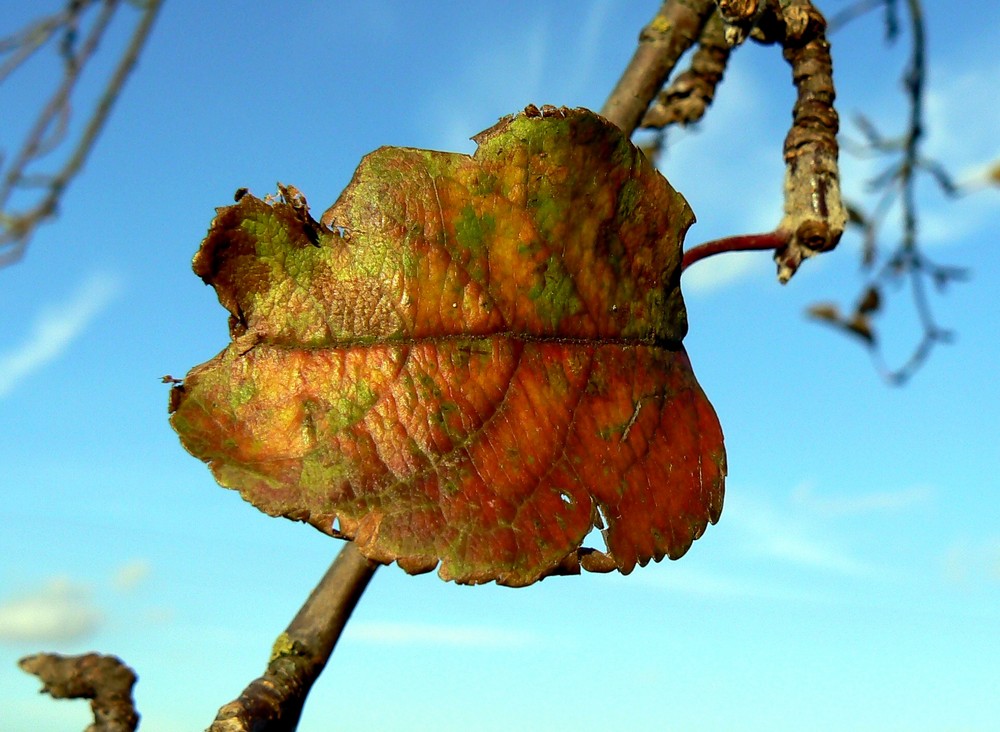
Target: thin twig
(17, 228)
(35, 139)
(274, 702)
(689, 95)
(896, 184)
(852, 12)
(672, 31)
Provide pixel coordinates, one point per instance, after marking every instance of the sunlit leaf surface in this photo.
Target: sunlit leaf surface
(469, 362)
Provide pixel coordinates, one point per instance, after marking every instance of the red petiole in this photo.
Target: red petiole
(741, 243)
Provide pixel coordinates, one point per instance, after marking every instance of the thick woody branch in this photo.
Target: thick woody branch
(740, 17)
(105, 680)
(691, 93)
(814, 213)
(274, 702)
(674, 29)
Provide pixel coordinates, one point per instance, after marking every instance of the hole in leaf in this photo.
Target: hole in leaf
(596, 537)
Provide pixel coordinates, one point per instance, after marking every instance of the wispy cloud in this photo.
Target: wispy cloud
(439, 635)
(961, 120)
(493, 81)
(797, 548)
(717, 272)
(587, 49)
(131, 575)
(701, 583)
(732, 181)
(59, 611)
(517, 68)
(806, 496)
(790, 537)
(55, 330)
(64, 610)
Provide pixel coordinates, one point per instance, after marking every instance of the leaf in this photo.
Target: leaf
(859, 324)
(471, 361)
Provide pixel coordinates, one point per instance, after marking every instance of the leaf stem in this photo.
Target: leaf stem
(770, 240)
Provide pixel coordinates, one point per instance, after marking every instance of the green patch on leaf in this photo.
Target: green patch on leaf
(555, 295)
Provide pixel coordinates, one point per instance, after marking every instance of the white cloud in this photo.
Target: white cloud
(729, 168)
(963, 116)
(719, 271)
(59, 611)
(492, 82)
(439, 635)
(797, 548)
(961, 123)
(790, 538)
(519, 68)
(878, 501)
(587, 50)
(55, 330)
(131, 575)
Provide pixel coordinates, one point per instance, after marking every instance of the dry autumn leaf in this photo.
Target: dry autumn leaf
(471, 361)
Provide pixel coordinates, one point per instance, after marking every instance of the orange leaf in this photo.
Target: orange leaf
(470, 361)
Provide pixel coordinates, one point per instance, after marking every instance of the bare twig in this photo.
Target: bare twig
(851, 12)
(273, 702)
(896, 185)
(691, 92)
(105, 680)
(23, 44)
(17, 227)
(814, 215)
(672, 31)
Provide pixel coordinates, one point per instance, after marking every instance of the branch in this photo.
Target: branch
(105, 680)
(688, 97)
(672, 31)
(897, 185)
(815, 216)
(273, 702)
(16, 228)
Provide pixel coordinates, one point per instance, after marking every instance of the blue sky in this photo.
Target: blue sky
(854, 579)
